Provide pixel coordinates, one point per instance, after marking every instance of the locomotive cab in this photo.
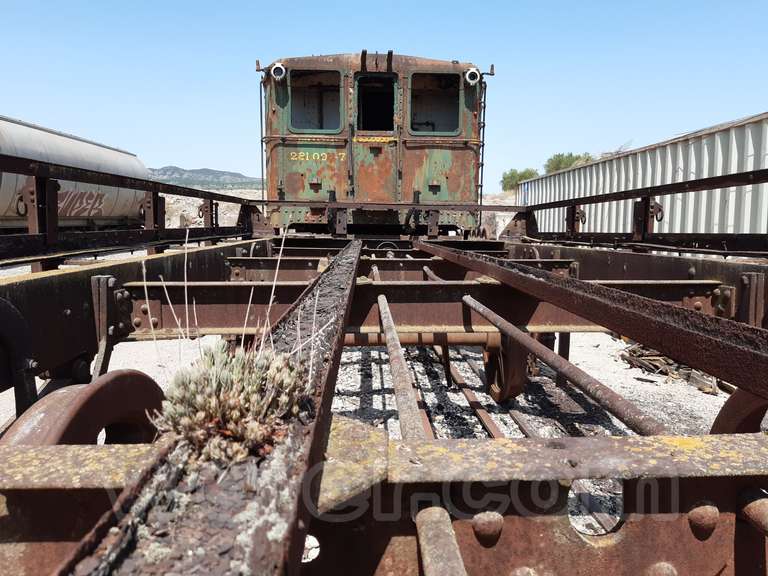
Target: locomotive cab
(377, 136)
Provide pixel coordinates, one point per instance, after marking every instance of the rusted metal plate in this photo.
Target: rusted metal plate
(571, 458)
(355, 460)
(73, 467)
(57, 305)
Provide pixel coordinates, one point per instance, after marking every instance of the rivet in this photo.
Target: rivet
(121, 326)
(487, 527)
(661, 569)
(144, 309)
(691, 272)
(155, 322)
(67, 312)
(137, 322)
(703, 519)
(111, 330)
(716, 292)
(111, 282)
(697, 305)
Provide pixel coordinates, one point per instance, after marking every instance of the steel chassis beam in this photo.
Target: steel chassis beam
(720, 347)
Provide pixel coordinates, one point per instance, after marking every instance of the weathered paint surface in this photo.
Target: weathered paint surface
(354, 165)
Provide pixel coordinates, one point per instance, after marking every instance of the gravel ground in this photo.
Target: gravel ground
(364, 391)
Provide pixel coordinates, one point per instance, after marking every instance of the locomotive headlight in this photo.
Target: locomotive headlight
(472, 76)
(278, 71)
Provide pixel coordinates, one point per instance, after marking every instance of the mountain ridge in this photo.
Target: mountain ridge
(203, 178)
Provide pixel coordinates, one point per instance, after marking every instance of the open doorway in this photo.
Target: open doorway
(376, 102)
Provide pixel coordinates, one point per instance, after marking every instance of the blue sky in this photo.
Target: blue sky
(174, 82)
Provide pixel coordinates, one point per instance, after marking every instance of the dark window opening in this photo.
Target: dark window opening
(315, 97)
(376, 102)
(435, 102)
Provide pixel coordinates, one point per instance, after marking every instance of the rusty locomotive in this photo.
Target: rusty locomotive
(376, 135)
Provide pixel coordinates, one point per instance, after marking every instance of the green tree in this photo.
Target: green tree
(512, 177)
(561, 161)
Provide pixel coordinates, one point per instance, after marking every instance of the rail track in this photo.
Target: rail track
(422, 444)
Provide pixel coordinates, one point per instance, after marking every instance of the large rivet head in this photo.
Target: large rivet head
(487, 527)
(703, 519)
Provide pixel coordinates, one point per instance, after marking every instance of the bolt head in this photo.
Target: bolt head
(112, 282)
(697, 305)
(137, 322)
(144, 309)
(703, 519)
(487, 527)
(155, 322)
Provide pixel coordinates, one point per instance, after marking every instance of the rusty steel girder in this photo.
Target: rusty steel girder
(718, 346)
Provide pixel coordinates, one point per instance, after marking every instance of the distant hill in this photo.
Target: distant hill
(204, 178)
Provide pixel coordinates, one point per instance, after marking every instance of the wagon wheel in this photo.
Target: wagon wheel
(742, 413)
(117, 403)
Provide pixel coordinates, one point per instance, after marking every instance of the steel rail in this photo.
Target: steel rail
(412, 425)
(482, 414)
(40, 169)
(711, 183)
(617, 405)
(729, 350)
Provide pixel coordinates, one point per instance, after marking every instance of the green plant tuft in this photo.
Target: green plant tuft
(229, 405)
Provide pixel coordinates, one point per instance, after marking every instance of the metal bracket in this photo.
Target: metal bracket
(42, 209)
(724, 301)
(575, 217)
(644, 212)
(433, 218)
(506, 369)
(340, 222)
(154, 216)
(752, 301)
(112, 317)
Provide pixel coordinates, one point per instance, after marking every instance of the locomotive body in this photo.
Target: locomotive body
(364, 129)
(80, 205)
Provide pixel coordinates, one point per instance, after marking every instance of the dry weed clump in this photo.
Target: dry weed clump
(229, 405)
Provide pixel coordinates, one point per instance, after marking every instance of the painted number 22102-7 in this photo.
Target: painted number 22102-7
(319, 156)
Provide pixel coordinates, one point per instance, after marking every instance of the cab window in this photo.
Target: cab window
(435, 102)
(376, 102)
(315, 99)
